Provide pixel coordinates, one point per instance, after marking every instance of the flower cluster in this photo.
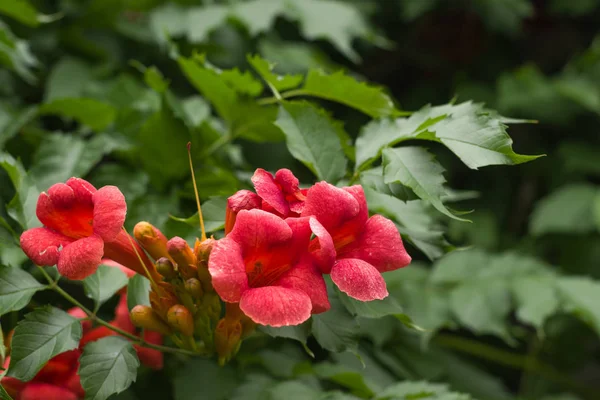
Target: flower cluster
(282, 239)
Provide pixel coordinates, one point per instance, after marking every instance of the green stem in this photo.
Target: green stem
(513, 360)
(93, 317)
(284, 95)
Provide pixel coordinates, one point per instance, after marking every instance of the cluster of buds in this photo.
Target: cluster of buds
(184, 304)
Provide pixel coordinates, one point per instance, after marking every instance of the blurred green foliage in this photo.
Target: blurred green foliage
(112, 90)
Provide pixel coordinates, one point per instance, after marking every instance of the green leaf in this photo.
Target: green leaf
(91, 112)
(336, 330)
(155, 79)
(420, 390)
(344, 89)
(16, 289)
(536, 299)
(416, 168)
(214, 382)
(299, 333)
(567, 210)
(43, 334)
(291, 390)
(104, 283)
(68, 79)
(62, 156)
(371, 309)
(138, 291)
(312, 139)
(331, 20)
(12, 122)
(476, 135)
(21, 10)
(16, 55)
(345, 377)
(581, 295)
(107, 366)
(265, 70)
(132, 182)
(164, 138)
(22, 207)
(213, 212)
(482, 306)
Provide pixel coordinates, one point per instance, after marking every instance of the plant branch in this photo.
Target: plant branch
(93, 317)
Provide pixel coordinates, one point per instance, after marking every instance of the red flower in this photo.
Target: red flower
(81, 225)
(280, 194)
(241, 200)
(365, 247)
(264, 265)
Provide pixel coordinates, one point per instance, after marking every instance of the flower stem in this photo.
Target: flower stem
(93, 317)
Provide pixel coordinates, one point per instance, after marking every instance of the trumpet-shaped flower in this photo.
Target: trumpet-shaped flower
(264, 264)
(365, 247)
(81, 225)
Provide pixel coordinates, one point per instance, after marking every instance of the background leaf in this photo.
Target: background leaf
(104, 283)
(107, 366)
(16, 289)
(138, 291)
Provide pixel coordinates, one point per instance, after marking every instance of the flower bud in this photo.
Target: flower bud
(241, 200)
(151, 239)
(194, 288)
(181, 320)
(183, 255)
(227, 339)
(202, 250)
(144, 317)
(164, 266)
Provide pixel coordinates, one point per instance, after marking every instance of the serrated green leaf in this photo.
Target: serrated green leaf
(477, 136)
(312, 139)
(420, 390)
(104, 283)
(567, 210)
(91, 112)
(265, 70)
(213, 213)
(336, 330)
(416, 168)
(43, 334)
(296, 332)
(21, 10)
(107, 366)
(215, 383)
(22, 207)
(344, 89)
(16, 289)
(155, 79)
(536, 299)
(581, 295)
(138, 291)
(258, 15)
(62, 156)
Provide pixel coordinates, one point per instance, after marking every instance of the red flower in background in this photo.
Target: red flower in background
(81, 225)
(365, 247)
(264, 264)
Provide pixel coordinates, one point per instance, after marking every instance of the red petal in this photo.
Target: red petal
(72, 218)
(257, 230)
(74, 385)
(332, 206)
(322, 247)
(78, 313)
(127, 252)
(114, 264)
(243, 200)
(307, 278)
(359, 279)
(110, 209)
(46, 391)
(59, 369)
(95, 334)
(43, 245)
(276, 306)
(227, 269)
(151, 358)
(269, 191)
(301, 232)
(81, 258)
(379, 244)
(83, 190)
